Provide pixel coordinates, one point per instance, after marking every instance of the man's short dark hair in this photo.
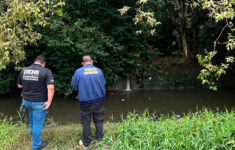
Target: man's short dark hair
(41, 59)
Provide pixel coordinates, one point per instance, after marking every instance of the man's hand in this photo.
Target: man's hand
(20, 86)
(46, 105)
(50, 89)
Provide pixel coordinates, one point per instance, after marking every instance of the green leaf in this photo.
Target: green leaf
(195, 4)
(219, 18)
(60, 12)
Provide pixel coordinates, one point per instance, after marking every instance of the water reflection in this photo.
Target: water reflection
(66, 110)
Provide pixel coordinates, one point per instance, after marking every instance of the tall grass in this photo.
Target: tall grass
(199, 131)
(195, 131)
(10, 134)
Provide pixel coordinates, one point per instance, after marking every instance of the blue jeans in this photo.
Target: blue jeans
(37, 118)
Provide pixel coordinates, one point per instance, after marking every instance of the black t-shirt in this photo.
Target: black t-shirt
(35, 79)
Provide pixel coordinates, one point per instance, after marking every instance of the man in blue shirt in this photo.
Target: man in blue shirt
(89, 82)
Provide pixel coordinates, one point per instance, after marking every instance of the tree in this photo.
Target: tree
(221, 11)
(100, 31)
(178, 11)
(142, 16)
(17, 18)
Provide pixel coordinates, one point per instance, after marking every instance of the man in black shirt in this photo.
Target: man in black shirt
(37, 85)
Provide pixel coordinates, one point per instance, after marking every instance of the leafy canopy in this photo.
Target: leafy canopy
(221, 11)
(17, 18)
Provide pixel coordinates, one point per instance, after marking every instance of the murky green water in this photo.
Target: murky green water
(66, 110)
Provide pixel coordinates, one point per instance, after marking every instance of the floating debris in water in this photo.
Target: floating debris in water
(177, 116)
(110, 93)
(202, 100)
(123, 100)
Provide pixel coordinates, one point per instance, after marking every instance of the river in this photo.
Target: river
(65, 110)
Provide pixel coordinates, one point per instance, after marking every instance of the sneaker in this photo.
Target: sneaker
(81, 143)
(43, 145)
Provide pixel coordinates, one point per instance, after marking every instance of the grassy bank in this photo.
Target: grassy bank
(201, 130)
(10, 134)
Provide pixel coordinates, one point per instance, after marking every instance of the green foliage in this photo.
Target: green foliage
(205, 129)
(16, 30)
(211, 72)
(10, 134)
(201, 130)
(142, 16)
(97, 28)
(108, 37)
(67, 48)
(8, 80)
(17, 18)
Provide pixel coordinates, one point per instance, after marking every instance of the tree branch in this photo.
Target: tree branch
(215, 42)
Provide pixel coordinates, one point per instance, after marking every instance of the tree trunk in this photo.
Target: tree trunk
(182, 9)
(195, 33)
(184, 43)
(179, 16)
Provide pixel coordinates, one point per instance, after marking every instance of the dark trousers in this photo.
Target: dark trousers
(96, 110)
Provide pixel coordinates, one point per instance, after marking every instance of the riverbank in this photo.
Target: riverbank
(171, 73)
(200, 130)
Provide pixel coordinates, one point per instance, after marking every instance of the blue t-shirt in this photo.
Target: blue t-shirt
(89, 82)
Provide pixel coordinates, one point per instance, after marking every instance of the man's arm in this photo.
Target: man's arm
(103, 83)
(74, 82)
(19, 82)
(50, 89)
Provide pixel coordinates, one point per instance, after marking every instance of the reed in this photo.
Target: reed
(203, 130)
(10, 133)
(195, 131)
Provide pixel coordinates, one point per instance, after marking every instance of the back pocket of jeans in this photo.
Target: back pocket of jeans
(38, 106)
